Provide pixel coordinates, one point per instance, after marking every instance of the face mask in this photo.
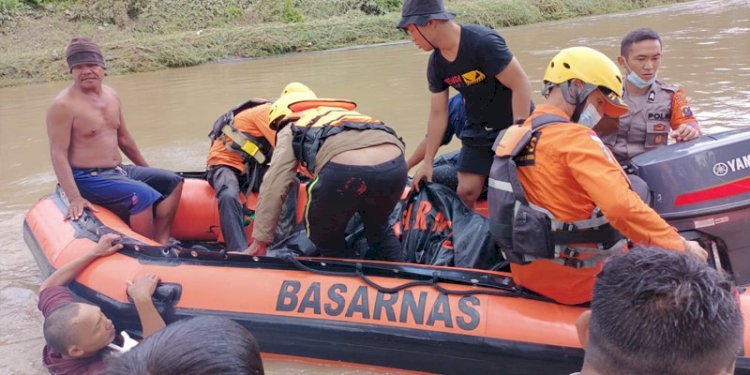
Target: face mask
(589, 117)
(638, 81)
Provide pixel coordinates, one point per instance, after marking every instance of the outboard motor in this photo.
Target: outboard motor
(702, 188)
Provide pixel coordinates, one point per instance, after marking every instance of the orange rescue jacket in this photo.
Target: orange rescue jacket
(572, 173)
(253, 121)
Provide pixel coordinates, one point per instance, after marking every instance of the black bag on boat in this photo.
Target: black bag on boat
(438, 229)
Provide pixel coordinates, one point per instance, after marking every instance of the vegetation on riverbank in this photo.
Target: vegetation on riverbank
(147, 35)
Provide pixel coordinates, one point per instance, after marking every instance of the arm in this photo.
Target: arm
(273, 191)
(68, 272)
(596, 171)
(514, 78)
(683, 122)
(418, 154)
(126, 141)
(59, 130)
(141, 292)
(436, 126)
(456, 120)
(598, 174)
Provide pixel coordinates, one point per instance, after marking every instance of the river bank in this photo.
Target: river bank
(149, 35)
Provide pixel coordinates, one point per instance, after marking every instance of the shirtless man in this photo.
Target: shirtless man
(86, 130)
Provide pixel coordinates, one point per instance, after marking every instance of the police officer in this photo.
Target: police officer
(656, 109)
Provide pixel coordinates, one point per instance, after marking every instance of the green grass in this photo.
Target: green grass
(147, 35)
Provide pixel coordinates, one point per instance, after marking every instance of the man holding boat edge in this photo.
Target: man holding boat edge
(77, 334)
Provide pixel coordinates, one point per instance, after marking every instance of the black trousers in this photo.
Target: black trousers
(339, 191)
(226, 183)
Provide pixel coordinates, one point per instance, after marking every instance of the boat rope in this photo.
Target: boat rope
(174, 250)
(433, 282)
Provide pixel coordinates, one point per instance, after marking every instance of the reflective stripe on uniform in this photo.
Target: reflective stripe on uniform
(246, 144)
(500, 185)
(307, 206)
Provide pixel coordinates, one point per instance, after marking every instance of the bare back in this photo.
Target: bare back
(91, 122)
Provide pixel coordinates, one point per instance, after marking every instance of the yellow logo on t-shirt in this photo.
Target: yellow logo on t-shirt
(473, 77)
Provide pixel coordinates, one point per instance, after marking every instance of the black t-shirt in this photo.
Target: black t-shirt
(482, 54)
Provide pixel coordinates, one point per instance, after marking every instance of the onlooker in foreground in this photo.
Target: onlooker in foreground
(86, 130)
(661, 312)
(77, 334)
(205, 345)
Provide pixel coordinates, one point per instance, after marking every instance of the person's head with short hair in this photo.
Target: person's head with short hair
(640, 56)
(197, 346)
(78, 330)
(636, 36)
(421, 20)
(661, 312)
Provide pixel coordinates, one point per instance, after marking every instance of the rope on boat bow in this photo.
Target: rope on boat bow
(511, 291)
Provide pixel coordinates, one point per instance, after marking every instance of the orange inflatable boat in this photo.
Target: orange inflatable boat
(396, 315)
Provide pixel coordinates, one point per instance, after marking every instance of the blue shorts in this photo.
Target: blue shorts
(127, 189)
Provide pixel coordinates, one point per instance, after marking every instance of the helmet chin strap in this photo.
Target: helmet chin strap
(424, 37)
(577, 112)
(578, 99)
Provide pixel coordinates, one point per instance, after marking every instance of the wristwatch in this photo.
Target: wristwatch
(519, 121)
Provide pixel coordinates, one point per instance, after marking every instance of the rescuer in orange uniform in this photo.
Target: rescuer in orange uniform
(242, 146)
(358, 167)
(567, 171)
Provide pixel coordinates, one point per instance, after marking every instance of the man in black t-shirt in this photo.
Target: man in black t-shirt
(475, 61)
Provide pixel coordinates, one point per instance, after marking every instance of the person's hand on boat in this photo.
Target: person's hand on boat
(423, 173)
(257, 248)
(76, 207)
(693, 247)
(106, 245)
(142, 289)
(685, 133)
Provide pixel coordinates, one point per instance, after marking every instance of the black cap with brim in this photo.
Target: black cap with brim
(420, 12)
(423, 19)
